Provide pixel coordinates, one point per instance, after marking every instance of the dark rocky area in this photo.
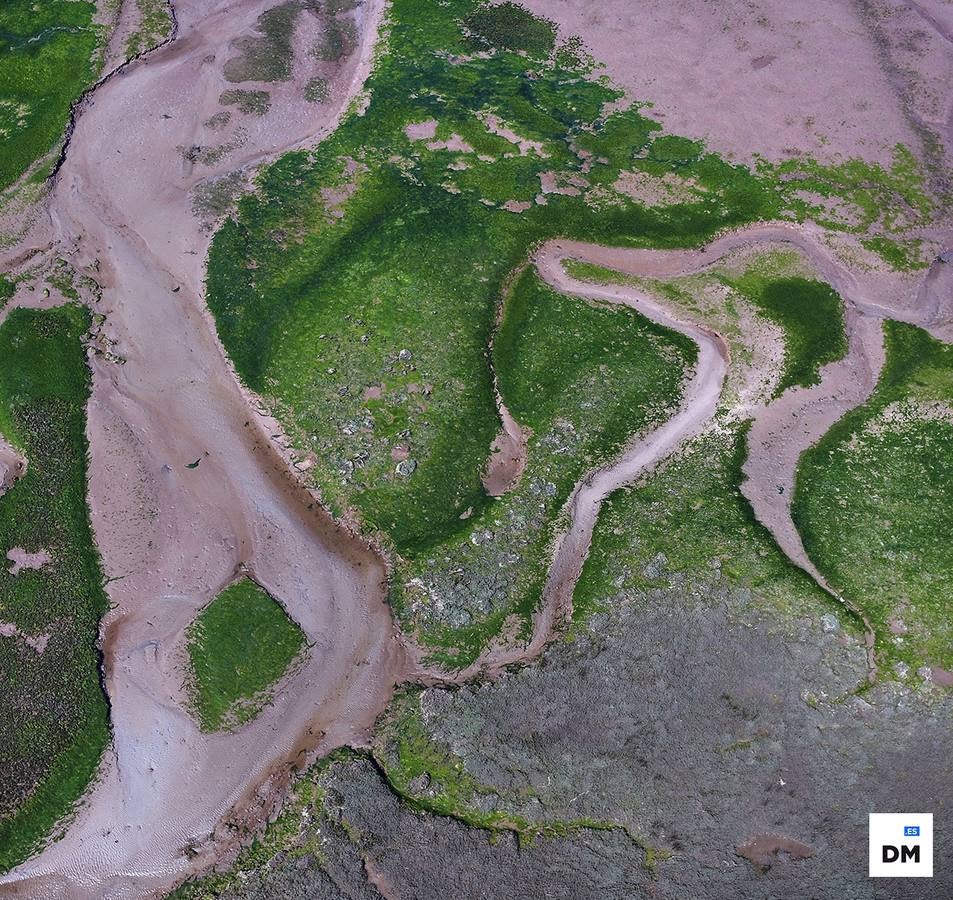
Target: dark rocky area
(704, 726)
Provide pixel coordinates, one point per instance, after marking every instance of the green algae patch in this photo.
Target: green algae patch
(552, 347)
(902, 255)
(240, 645)
(855, 195)
(53, 714)
(696, 533)
(155, 23)
(356, 289)
(508, 26)
(49, 53)
(426, 773)
(811, 315)
(315, 821)
(874, 502)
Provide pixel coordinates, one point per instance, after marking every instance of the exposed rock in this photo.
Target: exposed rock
(406, 467)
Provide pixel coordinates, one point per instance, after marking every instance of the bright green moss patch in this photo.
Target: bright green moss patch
(874, 501)
(315, 816)
(53, 719)
(905, 256)
(811, 315)
(425, 772)
(49, 53)
(809, 312)
(239, 646)
(855, 195)
(406, 256)
(553, 348)
(594, 273)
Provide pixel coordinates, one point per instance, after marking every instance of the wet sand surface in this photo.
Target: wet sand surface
(508, 454)
(23, 559)
(699, 402)
(763, 849)
(172, 537)
(776, 79)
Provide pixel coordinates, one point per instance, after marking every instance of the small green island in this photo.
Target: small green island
(240, 645)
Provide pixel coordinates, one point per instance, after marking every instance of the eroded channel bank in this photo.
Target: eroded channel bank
(781, 430)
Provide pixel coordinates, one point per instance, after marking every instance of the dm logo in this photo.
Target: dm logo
(901, 845)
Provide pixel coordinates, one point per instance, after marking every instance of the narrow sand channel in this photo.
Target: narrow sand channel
(699, 401)
(783, 428)
(172, 537)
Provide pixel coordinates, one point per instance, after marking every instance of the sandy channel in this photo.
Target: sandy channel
(172, 537)
(782, 429)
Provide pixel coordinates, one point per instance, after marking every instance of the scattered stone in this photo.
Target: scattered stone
(419, 784)
(406, 467)
(941, 677)
(656, 566)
